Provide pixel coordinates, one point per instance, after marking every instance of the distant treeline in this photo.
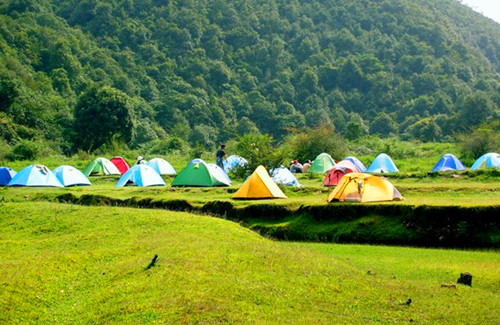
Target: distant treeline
(80, 73)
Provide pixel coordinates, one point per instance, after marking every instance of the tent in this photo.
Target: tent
(121, 164)
(141, 175)
(101, 166)
(233, 162)
(284, 176)
(361, 167)
(322, 164)
(35, 175)
(382, 164)
(70, 176)
(162, 166)
(199, 174)
(6, 175)
(360, 187)
(448, 163)
(196, 160)
(219, 173)
(335, 174)
(259, 186)
(489, 160)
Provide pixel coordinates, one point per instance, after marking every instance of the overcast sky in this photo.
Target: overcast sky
(489, 8)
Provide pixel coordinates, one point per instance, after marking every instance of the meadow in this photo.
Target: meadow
(66, 263)
(69, 264)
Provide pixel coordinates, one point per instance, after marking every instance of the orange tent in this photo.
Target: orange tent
(259, 186)
(362, 187)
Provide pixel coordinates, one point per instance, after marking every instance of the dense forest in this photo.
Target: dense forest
(79, 73)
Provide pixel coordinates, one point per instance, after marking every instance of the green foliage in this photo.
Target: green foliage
(25, 150)
(100, 115)
(308, 143)
(238, 67)
(479, 142)
(258, 149)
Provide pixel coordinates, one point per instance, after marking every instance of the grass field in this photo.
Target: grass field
(68, 264)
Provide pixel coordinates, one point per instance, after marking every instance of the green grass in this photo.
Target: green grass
(69, 264)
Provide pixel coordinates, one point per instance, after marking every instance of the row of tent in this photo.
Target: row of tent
(260, 185)
(383, 164)
(119, 166)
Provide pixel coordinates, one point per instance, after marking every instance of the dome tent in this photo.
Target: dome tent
(101, 166)
(35, 175)
(284, 176)
(335, 174)
(232, 162)
(259, 186)
(199, 173)
(121, 164)
(162, 166)
(382, 164)
(448, 163)
(6, 175)
(70, 176)
(322, 164)
(219, 173)
(360, 187)
(489, 160)
(141, 175)
(361, 167)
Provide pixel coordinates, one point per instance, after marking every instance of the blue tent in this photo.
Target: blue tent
(232, 162)
(489, 160)
(35, 175)
(6, 175)
(70, 176)
(196, 160)
(219, 174)
(448, 163)
(141, 175)
(382, 164)
(161, 166)
(284, 176)
(357, 163)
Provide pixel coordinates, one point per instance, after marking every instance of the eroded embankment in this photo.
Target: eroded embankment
(437, 226)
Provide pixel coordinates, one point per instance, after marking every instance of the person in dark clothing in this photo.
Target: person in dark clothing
(221, 153)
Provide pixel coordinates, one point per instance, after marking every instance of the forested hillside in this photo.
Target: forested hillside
(79, 73)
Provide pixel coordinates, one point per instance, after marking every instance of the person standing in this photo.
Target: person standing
(221, 153)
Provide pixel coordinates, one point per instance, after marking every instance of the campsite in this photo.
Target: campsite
(214, 251)
(249, 162)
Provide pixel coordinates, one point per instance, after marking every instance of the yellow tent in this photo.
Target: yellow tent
(259, 186)
(362, 187)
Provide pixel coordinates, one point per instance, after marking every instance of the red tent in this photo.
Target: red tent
(121, 164)
(335, 174)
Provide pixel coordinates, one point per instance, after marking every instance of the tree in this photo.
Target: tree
(479, 142)
(356, 127)
(383, 125)
(308, 143)
(102, 114)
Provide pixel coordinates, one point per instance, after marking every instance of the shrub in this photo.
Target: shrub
(308, 143)
(25, 150)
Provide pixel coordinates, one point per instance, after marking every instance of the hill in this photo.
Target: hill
(206, 71)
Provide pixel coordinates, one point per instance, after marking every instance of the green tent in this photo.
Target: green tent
(200, 174)
(101, 166)
(322, 164)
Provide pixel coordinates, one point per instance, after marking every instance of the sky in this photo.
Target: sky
(489, 8)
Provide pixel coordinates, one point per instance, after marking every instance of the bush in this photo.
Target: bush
(479, 142)
(258, 149)
(308, 143)
(25, 150)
